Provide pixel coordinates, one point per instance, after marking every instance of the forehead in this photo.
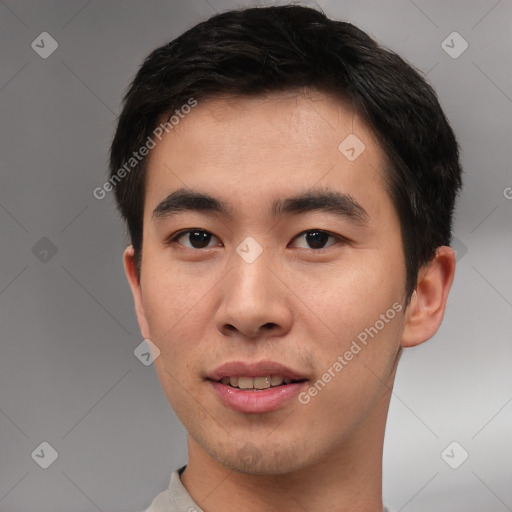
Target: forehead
(246, 149)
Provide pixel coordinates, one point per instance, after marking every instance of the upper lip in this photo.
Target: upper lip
(253, 369)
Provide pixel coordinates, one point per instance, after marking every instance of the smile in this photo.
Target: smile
(256, 383)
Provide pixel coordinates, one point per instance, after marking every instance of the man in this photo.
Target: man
(288, 187)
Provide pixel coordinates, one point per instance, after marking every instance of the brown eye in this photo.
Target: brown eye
(316, 238)
(196, 238)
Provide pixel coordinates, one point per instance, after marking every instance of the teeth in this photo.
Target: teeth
(245, 382)
(276, 380)
(261, 382)
(256, 382)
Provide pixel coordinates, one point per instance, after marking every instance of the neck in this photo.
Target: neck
(348, 479)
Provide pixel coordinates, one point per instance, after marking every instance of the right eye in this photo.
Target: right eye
(197, 238)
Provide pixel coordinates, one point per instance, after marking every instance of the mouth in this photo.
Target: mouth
(259, 387)
(257, 383)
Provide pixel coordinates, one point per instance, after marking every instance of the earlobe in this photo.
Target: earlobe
(134, 282)
(426, 309)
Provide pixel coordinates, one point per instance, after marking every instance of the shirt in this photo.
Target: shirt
(177, 499)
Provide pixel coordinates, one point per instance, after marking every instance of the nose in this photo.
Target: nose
(255, 301)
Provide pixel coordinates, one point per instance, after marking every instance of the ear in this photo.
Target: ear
(133, 280)
(426, 309)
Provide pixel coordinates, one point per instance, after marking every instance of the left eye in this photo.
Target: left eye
(316, 238)
(200, 238)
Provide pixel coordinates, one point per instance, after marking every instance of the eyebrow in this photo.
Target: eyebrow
(326, 200)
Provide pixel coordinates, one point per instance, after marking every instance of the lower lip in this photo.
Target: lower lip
(261, 401)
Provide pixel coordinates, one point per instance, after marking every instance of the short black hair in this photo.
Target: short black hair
(261, 50)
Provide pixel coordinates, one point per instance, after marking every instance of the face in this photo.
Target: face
(291, 267)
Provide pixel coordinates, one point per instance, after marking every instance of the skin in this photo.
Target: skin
(204, 306)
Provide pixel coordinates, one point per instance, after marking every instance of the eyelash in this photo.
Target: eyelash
(173, 238)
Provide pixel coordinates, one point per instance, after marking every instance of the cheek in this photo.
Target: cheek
(352, 296)
(172, 303)
(360, 314)
(355, 365)
(171, 289)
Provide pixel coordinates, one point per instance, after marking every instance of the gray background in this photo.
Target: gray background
(68, 374)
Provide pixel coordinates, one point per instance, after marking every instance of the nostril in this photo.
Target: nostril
(267, 326)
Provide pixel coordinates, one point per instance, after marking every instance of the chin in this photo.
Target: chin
(261, 458)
